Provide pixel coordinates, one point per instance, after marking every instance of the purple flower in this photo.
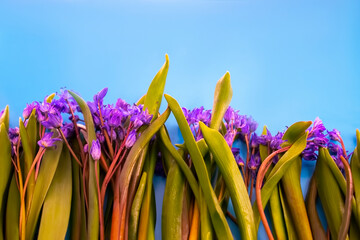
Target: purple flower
(131, 139)
(229, 137)
(334, 135)
(140, 118)
(64, 94)
(254, 161)
(238, 158)
(14, 135)
(2, 112)
(115, 118)
(86, 148)
(28, 109)
(95, 150)
(47, 141)
(100, 96)
(276, 141)
(122, 104)
(53, 121)
(318, 127)
(68, 130)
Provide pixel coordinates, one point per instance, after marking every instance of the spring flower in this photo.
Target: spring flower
(54, 121)
(100, 96)
(47, 141)
(95, 150)
(131, 139)
(14, 135)
(334, 135)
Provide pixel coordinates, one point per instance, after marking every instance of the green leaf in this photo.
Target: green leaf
(5, 118)
(32, 131)
(230, 172)
(341, 181)
(222, 99)
(278, 172)
(93, 213)
(355, 170)
(317, 229)
(136, 207)
(47, 171)
(12, 212)
(290, 225)
(50, 98)
(327, 186)
(274, 201)
(291, 190)
(57, 205)
(217, 216)
(155, 92)
(28, 160)
(134, 154)
(77, 216)
(294, 132)
(180, 161)
(5, 170)
(173, 204)
(145, 218)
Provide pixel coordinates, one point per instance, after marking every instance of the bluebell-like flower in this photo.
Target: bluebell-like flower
(229, 137)
(140, 118)
(28, 109)
(47, 141)
(131, 139)
(95, 150)
(100, 96)
(276, 141)
(53, 121)
(238, 158)
(254, 161)
(334, 135)
(68, 130)
(86, 148)
(64, 94)
(14, 135)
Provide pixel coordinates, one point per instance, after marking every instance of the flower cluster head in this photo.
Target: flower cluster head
(316, 139)
(119, 122)
(193, 117)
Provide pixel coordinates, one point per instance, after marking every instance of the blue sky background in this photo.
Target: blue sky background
(288, 61)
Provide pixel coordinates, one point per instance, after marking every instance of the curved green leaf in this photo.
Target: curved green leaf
(180, 161)
(222, 99)
(12, 212)
(47, 171)
(278, 172)
(355, 170)
(134, 153)
(291, 190)
(5, 117)
(145, 216)
(230, 172)
(155, 92)
(28, 160)
(136, 207)
(57, 205)
(5, 170)
(93, 213)
(314, 219)
(327, 186)
(217, 216)
(274, 201)
(294, 132)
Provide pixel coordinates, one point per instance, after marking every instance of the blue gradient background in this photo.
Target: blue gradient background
(288, 61)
